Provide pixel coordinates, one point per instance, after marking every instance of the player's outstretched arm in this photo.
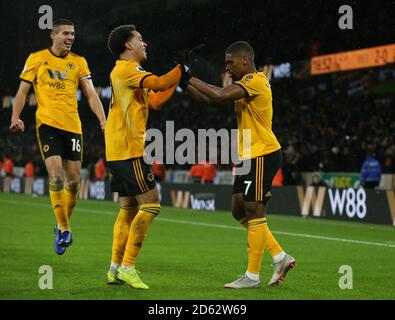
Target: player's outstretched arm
(164, 82)
(215, 94)
(157, 99)
(93, 101)
(17, 124)
(196, 95)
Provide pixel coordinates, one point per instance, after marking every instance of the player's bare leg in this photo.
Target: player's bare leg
(238, 210)
(56, 184)
(72, 170)
(151, 196)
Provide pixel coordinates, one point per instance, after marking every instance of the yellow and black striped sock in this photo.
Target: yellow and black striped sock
(121, 232)
(138, 232)
(56, 196)
(244, 222)
(70, 196)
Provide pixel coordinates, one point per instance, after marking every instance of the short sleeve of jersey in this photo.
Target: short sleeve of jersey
(84, 72)
(253, 85)
(29, 71)
(135, 75)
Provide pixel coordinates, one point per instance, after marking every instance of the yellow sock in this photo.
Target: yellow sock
(138, 232)
(256, 244)
(121, 233)
(244, 222)
(70, 195)
(56, 195)
(271, 243)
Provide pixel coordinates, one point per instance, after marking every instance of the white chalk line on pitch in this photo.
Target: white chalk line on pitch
(222, 226)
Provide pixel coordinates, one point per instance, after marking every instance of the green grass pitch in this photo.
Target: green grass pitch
(188, 255)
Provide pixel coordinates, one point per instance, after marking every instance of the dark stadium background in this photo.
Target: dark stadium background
(326, 124)
(309, 122)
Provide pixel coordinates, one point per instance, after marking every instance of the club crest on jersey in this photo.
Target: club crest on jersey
(46, 148)
(150, 177)
(56, 74)
(140, 69)
(247, 78)
(70, 65)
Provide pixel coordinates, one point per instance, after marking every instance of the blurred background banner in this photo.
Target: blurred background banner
(346, 203)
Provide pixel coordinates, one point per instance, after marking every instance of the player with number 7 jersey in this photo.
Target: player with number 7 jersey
(259, 151)
(55, 74)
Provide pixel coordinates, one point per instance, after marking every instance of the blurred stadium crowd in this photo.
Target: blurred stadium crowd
(324, 123)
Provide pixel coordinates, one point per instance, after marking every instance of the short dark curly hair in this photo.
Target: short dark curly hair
(240, 47)
(61, 22)
(118, 37)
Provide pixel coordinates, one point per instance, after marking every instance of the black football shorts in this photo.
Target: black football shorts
(130, 177)
(257, 183)
(57, 142)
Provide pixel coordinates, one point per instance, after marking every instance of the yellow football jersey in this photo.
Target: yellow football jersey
(55, 81)
(255, 113)
(128, 114)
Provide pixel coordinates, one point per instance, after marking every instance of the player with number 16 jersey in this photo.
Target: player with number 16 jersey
(56, 74)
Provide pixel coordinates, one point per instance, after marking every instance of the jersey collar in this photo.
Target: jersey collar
(56, 55)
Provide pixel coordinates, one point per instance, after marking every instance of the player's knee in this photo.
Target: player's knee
(129, 209)
(154, 197)
(237, 214)
(73, 186)
(237, 205)
(127, 214)
(56, 182)
(152, 208)
(255, 210)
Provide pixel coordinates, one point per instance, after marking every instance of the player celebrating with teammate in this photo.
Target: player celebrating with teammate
(55, 74)
(252, 95)
(134, 91)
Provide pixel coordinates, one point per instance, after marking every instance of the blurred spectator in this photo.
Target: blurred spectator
(100, 170)
(159, 171)
(316, 181)
(278, 179)
(8, 168)
(325, 123)
(84, 188)
(209, 171)
(196, 172)
(29, 175)
(370, 173)
(389, 160)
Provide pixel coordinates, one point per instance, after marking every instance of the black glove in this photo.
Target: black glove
(183, 58)
(185, 76)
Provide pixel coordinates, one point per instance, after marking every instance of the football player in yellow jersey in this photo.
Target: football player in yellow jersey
(252, 95)
(55, 74)
(134, 91)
